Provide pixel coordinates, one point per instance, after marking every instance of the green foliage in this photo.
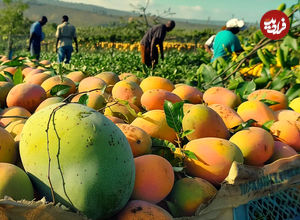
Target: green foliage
(2, 78)
(267, 125)
(60, 90)
(84, 99)
(18, 77)
(9, 75)
(242, 126)
(285, 79)
(269, 102)
(293, 92)
(134, 30)
(174, 114)
(190, 154)
(281, 7)
(129, 108)
(206, 76)
(163, 143)
(291, 42)
(11, 17)
(12, 21)
(14, 63)
(186, 133)
(245, 88)
(175, 65)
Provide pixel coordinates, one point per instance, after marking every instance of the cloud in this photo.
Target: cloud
(188, 12)
(188, 9)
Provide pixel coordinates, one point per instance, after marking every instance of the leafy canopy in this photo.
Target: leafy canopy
(12, 21)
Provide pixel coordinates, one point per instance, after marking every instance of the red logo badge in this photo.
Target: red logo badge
(274, 24)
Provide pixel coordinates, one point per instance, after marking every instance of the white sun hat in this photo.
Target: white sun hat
(234, 22)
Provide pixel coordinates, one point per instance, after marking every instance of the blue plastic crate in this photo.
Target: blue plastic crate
(283, 205)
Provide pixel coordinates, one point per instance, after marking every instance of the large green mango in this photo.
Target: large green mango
(92, 168)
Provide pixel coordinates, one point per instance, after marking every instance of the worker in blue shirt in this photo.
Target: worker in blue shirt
(36, 36)
(226, 41)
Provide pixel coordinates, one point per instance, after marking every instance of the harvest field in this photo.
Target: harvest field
(108, 138)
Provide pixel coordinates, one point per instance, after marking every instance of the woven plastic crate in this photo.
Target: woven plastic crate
(271, 192)
(283, 205)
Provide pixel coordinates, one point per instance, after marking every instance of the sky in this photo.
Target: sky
(222, 10)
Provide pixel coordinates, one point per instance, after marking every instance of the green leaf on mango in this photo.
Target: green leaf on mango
(267, 125)
(129, 108)
(60, 90)
(2, 78)
(190, 154)
(187, 132)
(269, 102)
(163, 143)
(18, 77)
(242, 126)
(14, 63)
(174, 114)
(84, 99)
(9, 75)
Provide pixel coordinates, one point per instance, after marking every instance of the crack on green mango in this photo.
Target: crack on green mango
(52, 116)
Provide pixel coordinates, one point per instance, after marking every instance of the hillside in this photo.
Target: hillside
(90, 15)
(82, 7)
(80, 14)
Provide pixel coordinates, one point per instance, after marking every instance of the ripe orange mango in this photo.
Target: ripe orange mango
(156, 82)
(154, 178)
(154, 99)
(272, 95)
(129, 91)
(189, 193)
(8, 152)
(140, 142)
(220, 95)
(189, 93)
(229, 116)
(287, 132)
(256, 110)
(155, 124)
(256, 144)
(138, 210)
(214, 158)
(205, 122)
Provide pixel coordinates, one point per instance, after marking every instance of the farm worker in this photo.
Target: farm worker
(36, 36)
(65, 34)
(226, 41)
(154, 36)
(208, 45)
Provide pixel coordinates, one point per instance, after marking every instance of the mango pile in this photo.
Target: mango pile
(91, 142)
